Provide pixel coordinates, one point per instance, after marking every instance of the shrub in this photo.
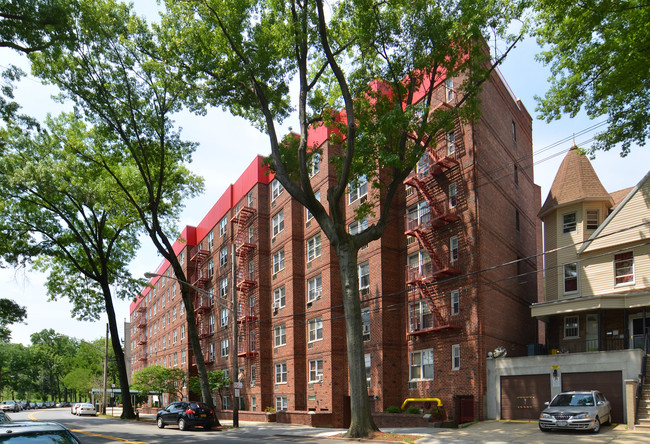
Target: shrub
(269, 409)
(413, 410)
(393, 409)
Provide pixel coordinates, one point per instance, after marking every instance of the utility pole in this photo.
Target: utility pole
(235, 335)
(105, 370)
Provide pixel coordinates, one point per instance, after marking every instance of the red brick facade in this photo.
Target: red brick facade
(292, 352)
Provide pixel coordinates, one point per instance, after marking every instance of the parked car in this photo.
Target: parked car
(12, 406)
(186, 415)
(85, 409)
(4, 417)
(73, 407)
(28, 431)
(580, 410)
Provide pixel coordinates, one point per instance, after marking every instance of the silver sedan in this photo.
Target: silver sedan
(579, 410)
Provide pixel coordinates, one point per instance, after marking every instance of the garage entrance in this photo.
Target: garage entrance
(523, 396)
(609, 384)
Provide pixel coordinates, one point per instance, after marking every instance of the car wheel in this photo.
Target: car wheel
(609, 420)
(543, 429)
(161, 424)
(182, 425)
(596, 428)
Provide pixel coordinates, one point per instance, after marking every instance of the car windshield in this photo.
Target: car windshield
(573, 399)
(40, 438)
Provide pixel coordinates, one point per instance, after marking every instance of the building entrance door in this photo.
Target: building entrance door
(592, 332)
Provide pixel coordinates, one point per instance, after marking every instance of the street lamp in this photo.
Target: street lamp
(235, 333)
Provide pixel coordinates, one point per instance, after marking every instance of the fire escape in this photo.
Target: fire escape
(199, 278)
(423, 224)
(245, 281)
(141, 325)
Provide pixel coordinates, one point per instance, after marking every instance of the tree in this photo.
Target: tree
(10, 313)
(18, 370)
(110, 75)
(159, 379)
(68, 212)
(54, 354)
(32, 25)
(597, 52)
(368, 71)
(218, 382)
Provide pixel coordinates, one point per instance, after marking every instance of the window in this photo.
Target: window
(517, 226)
(569, 222)
(367, 360)
(358, 226)
(225, 345)
(364, 276)
(453, 249)
(449, 89)
(276, 189)
(419, 264)
(225, 402)
(516, 175)
(224, 317)
(420, 317)
(175, 359)
(281, 403)
(250, 199)
(417, 215)
(278, 223)
(183, 356)
(314, 288)
(365, 323)
(315, 329)
(592, 219)
(571, 327)
(253, 401)
(253, 375)
(223, 288)
(223, 257)
(175, 336)
(251, 235)
(455, 302)
(211, 324)
(281, 373)
(315, 370)
(211, 353)
(279, 297)
(313, 248)
(310, 216)
(453, 195)
(624, 268)
(182, 308)
(358, 189)
(210, 240)
(571, 278)
(455, 357)
(182, 332)
(210, 268)
(314, 165)
(280, 335)
(223, 226)
(421, 365)
(451, 143)
(514, 134)
(251, 270)
(278, 261)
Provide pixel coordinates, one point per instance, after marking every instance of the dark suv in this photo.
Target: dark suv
(27, 432)
(186, 415)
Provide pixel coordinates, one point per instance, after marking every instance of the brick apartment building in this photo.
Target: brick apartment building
(451, 279)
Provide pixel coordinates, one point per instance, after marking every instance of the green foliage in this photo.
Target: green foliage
(414, 410)
(269, 409)
(159, 379)
(10, 313)
(393, 409)
(597, 54)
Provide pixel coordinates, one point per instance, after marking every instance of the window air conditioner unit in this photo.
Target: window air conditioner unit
(413, 385)
(319, 378)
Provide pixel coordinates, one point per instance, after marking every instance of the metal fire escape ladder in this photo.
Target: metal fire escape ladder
(245, 282)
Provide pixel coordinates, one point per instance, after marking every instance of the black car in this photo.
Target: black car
(186, 415)
(27, 431)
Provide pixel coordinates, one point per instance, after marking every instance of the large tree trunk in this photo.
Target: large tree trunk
(127, 407)
(361, 424)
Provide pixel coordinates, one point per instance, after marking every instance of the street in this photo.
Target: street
(96, 430)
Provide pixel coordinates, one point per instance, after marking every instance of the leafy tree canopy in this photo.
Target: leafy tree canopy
(598, 54)
(10, 313)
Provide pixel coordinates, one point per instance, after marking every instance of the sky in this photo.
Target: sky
(228, 144)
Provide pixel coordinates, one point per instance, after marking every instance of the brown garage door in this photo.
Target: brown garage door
(523, 397)
(609, 383)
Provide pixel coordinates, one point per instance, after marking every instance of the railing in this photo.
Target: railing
(642, 375)
(607, 344)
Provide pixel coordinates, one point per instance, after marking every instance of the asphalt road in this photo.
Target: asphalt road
(101, 430)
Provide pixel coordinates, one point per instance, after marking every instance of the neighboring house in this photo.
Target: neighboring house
(597, 291)
(450, 280)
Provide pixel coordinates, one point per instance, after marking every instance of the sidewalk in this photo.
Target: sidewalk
(491, 431)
